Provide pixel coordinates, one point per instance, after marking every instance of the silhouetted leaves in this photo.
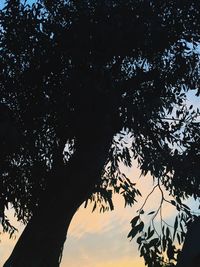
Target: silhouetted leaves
(73, 73)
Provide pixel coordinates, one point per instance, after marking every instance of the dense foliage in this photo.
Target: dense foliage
(72, 69)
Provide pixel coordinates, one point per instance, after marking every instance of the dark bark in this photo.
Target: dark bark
(41, 243)
(190, 255)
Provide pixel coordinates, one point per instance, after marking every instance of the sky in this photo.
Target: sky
(100, 240)
(94, 240)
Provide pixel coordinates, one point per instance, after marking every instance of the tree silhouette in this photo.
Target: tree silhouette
(85, 86)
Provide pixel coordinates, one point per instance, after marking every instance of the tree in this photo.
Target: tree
(76, 78)
(190, 254)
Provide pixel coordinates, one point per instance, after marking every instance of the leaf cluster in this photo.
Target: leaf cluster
(71, 72)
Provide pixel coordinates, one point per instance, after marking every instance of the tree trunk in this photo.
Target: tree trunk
(190, 255)
(41, 243)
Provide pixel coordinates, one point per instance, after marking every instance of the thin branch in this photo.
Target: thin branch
(148, 197)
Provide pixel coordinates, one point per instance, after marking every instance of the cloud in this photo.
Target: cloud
(100, 239)
(89, 262)
(85, 222)
(101, 249)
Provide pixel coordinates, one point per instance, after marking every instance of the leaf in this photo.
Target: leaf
(134, 231)
(139, 240)
(94, 207)
(134, 221)
(170, 251)
(175, 227)
(152, 212)
(167, 233)
(150, 234)
(185, 206)
(173, 202)
(86, 203)
(164, 241)
(153, 242)
(178, 238)
(141, 226)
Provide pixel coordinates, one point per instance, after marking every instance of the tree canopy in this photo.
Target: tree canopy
(79, 74)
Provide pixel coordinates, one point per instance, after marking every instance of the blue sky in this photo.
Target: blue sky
(2, 2)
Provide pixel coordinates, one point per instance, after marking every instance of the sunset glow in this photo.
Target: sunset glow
(100, 239)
